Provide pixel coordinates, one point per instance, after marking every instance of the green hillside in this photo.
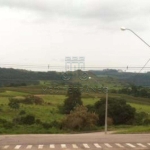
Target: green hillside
(139, 79)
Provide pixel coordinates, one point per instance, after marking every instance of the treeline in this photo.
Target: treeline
(137, 91)
(17, 77)
(138, 79)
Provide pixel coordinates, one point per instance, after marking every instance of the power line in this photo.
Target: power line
(144, 65)
(45, 66)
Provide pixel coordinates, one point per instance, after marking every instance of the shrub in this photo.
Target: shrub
(13, 103)
(6, 124)
(56, 124)
(38, 100)
(146, 122)
(140, 118)
(1, 110)
(29, 100)
(22, 112)
(46, 125)
(80, 119)
(38, 121)
(28, 120)
(33, 100)
(2, 121)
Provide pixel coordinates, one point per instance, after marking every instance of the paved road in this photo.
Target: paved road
(76, 141)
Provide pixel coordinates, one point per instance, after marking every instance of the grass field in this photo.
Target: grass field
(141, 107)
(131, 129)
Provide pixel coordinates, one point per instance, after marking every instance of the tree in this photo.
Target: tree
(118, 110)
(80, 119)
(13, 104)
(73, 99)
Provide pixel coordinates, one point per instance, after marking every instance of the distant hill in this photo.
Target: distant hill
(17, 77)
(140, 79)
(111, 78)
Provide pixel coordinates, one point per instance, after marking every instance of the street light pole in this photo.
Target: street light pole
(106, 110)
(123, 29)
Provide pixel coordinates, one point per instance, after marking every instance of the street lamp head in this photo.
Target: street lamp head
(123, 28)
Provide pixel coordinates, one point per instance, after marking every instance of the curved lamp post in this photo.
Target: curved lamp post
(123, 29)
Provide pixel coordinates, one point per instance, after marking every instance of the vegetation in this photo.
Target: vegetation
(138, 79)
(13, 104)
(15, 77)
(137, 91)
(73, 99)
(119, 112)
(34, 107)
(80, 119)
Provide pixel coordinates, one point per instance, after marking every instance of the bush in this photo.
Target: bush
(146, 122)
(118, 110)
(1, 110)
(33, 100)
(140, 118)
(80, 119)
(6, 124)
(56, 124)
(13, 103)
(22, 112)
(38, 100)
(38, 121)
(46, 125)
(28, 120)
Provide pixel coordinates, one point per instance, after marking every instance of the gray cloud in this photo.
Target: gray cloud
(98, 9)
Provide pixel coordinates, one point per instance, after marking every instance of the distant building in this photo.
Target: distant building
(74, 63)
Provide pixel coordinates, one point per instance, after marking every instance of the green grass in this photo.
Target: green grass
(3, 101)
(12, 94)
(89, 101)
(53, 99)
(31, 89)
(44, 113)
(141, 107)
(130, 129)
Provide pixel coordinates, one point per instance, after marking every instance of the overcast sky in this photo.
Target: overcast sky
(38, 33)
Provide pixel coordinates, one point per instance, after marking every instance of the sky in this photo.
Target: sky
(39, 34)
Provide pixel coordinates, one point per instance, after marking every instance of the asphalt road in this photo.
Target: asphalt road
(75, 141)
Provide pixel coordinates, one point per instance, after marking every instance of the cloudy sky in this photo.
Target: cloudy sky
(38, 33)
